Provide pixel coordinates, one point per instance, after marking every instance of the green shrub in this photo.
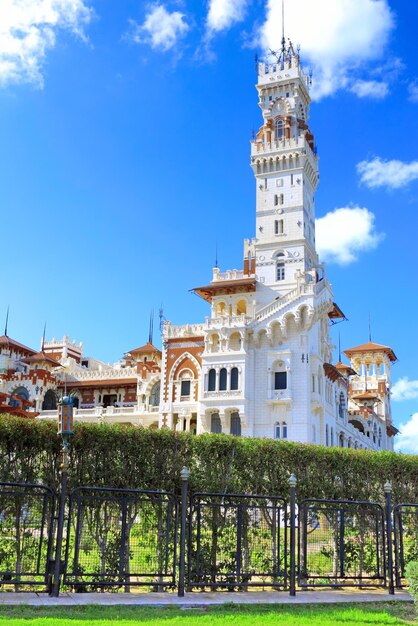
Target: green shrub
(138, 458)
(411, 573)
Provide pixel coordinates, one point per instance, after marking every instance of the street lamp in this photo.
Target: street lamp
(66, 430)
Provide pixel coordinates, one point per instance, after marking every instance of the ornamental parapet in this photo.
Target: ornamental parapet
(186, 330)
(227, 321)
(103, 374)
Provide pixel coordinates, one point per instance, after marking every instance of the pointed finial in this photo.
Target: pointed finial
(283, 37)
(370, 330)
(43, 338)
(151, 326)
(216, 255)
(7, 321)
(339, 347)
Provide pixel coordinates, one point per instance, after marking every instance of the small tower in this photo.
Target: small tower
(369, 393)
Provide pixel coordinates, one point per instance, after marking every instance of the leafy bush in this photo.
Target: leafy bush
(412, 577)
(138, 458)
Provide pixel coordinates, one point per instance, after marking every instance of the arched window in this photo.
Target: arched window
(234, 378)
(279, 376)
(50, 401)
(223, 376)
(242, 307)
(235, 341)
(281, 199)
(215, 423)
(341, 440)
(284, 430)
(280, 270)
(279, 129)
(21, 393)
(154, 398)
(212, 380)
(185, 385)
(276, 199)
(235, 424)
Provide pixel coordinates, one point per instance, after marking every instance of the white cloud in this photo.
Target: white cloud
(370, 89)
(392, 174)
(404, 389)
(222, 14)
(161, 29)
(407, 439)
(413, 91)
(343, 233)
(28, 30)
(338, 37)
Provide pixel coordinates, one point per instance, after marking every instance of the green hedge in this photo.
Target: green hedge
(131, 457)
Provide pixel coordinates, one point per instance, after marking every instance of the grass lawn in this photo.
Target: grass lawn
(395, 613)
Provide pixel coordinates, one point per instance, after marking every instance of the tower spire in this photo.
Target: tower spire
(151, 325)
(7, 321)
(43, 338)
(370, 329)
(283, 37)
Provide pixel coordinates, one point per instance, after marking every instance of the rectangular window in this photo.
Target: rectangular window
(278, 227)
(277, 431)
(291, 180)
(280, 271)
(265, 183)
(284, 431)
(280, 380)
(185, 388)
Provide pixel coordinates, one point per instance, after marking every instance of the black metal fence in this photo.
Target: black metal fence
(120, 538)
(237, 542)
(341, 543)
(405, 522)
(115, 539)
(26, 535)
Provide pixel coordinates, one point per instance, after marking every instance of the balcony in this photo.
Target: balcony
(222, 395)
(137, 416)
(279, 396)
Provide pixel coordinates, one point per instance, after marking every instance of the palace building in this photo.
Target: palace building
(260, 364)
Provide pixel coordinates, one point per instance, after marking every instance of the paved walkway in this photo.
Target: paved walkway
(202, 598)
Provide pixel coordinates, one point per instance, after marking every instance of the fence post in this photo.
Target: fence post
(388, 509)
(60, 524)
(184, 475)
(292, 483)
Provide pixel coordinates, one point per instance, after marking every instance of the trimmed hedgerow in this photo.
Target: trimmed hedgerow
(132, 457)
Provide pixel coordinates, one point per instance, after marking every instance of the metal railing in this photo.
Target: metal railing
(116, 539)
(237, 541)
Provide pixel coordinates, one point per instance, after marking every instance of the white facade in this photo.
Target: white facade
(262, 360)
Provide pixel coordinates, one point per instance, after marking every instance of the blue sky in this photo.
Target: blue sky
(124, 159)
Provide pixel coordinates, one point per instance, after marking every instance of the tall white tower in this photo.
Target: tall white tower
(285, 165)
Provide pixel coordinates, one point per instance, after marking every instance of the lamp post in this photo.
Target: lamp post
(65, 429)
(184, 475)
